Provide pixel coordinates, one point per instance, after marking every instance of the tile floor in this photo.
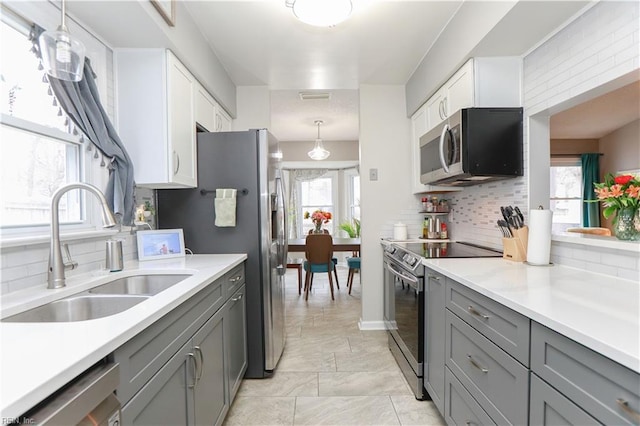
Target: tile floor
(331, 373)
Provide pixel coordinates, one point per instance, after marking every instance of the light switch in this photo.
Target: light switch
(373, 174)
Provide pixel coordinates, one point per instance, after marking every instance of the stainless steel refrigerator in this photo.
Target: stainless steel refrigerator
(248, 161)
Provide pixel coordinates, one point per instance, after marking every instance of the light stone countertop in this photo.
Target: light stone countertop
(36, 359)
(598, 311)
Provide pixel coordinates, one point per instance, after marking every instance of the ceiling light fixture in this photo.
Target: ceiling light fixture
(321, 13)
(62, 54)
(318, 152)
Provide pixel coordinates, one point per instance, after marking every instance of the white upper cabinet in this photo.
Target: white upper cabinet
(205, 109)
(156, 117)
(480, 82)
(209, 114)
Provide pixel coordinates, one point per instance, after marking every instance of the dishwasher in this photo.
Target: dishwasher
(88, 400)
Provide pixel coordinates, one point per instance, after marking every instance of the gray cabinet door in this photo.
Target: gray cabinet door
(550, 407)
(211, 397)
(236, 343)
(166, 399)
(435, 339)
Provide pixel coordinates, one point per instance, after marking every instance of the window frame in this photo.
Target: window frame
(333, 175)
(89, 170)
(566, 161)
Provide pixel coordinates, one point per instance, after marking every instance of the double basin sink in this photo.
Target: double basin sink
(102, 301)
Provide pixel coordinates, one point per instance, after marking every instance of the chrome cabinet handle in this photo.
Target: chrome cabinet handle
(473, 311)
(444, 107)
(177, 166)
(469, 423)
(435, 277)
(195, 373)
(198, 350)
(235, 279)
(238, 297)
(476, 365)
(624, 405)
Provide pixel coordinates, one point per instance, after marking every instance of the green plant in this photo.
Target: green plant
(351, 228)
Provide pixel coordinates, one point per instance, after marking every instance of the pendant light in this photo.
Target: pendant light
(320, 13)
(62, 54)
(318, 152)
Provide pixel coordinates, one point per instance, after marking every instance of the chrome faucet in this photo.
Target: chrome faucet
(55, 275)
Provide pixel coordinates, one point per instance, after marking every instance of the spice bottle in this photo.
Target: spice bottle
(443, 231)
(425, 228)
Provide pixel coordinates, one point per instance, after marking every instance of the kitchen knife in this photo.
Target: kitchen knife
(520, 216)
(501, 228)
(505, 216)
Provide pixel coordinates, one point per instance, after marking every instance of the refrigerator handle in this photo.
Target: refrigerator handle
(283, 247)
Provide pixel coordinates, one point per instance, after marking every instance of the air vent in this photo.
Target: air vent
(314, 96)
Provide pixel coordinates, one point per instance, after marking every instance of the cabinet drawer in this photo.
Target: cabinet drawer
(503, 326)
(594, 382)
(461, 408)
(233, 280)
(550, 407)
(497, 381)
(141, 357)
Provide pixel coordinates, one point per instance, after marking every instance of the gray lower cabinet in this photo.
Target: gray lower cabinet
(236, 339)
(435, 340)
(195, 383)
(461, 409)
(550, 407)
(605, 389)
(164, 399)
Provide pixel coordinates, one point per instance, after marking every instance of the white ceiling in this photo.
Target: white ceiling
(599, 116)
(260, 42)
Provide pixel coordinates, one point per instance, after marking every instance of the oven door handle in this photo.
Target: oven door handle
(407, 278)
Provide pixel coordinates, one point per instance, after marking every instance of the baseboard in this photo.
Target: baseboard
(371, 325)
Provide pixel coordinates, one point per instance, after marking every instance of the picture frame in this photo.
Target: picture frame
(166, 9)
(160, 244)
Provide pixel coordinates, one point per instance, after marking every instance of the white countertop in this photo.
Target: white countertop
(599, 311)
(36, 359)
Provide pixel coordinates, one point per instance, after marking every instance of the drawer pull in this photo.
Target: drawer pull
(235, 279)
(473, 311)
(628, 410)
(235, 299)
(469, 423)
(476, 365)
(195, 370)
(435, 277)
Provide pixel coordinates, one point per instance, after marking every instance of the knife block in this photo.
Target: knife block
(515, 248)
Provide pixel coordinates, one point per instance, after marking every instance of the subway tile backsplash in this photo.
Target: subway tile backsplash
(618, 263)
(26, 266)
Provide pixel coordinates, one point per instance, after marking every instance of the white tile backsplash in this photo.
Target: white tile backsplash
(26, 266)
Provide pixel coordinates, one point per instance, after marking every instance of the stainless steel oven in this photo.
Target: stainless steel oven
(405, 301)
(404, 314)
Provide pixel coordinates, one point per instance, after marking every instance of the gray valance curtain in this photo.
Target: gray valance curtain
(590, 175)
(81, 102)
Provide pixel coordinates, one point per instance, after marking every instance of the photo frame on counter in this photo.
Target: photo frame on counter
(167, 9)
(160, 244)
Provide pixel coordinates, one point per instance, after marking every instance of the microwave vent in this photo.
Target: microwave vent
(314, 96)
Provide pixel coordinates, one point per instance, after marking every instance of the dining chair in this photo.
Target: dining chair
(354, 264)
(333, 259)
(318, 251)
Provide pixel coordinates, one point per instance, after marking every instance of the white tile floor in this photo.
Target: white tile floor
(331, 373)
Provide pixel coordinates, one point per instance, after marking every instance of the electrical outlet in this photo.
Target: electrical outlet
(373, 174)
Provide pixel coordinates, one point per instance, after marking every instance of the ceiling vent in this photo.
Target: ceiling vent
(314, 96)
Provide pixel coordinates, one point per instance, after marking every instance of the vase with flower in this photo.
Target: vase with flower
(621, 196)
(318, 217)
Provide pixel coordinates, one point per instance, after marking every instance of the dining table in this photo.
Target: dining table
(339, 244)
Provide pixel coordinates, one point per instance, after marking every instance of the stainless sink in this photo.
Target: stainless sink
(79, 308)
(139, 284)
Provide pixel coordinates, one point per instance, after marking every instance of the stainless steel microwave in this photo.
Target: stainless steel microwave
(473, 146)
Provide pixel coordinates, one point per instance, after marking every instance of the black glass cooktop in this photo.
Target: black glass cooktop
(449, 249)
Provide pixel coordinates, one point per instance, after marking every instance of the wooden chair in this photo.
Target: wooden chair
(591, 231)
(333, 259)
(354, 264)
(296, 264)
(319, 251)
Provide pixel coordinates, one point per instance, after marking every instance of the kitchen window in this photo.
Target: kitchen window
(318, 194)
(566, 193)
(353, 194)
(38, 151)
